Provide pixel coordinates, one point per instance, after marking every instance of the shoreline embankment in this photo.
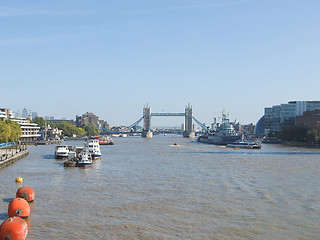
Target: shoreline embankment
(301, 144)
(10, 156)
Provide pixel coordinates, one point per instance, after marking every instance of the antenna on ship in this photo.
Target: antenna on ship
(223, 115)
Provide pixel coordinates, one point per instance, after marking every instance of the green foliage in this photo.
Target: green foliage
(9, 131)
(81, 132)
(91, 130)
(69, 130)
(294, 133)
(15, 131)
(40, 121)
(5, 132)
(312, 136)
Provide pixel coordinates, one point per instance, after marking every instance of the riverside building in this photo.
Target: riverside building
(309, 120)
(30, 131)
(6, 114)
(91, 120)
(277, 117)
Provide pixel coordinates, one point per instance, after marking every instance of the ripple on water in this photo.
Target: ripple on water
(148, 189)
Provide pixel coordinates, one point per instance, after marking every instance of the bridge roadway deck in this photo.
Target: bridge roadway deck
(167, 114)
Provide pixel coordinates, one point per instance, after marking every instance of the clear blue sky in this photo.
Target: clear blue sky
(64, 58)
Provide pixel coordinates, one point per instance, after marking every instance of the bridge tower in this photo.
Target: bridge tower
(147, 122)
(188, 127)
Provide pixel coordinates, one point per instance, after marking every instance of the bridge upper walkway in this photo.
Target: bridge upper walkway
(202, 125)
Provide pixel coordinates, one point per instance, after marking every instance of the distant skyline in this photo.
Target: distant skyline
(66, 58)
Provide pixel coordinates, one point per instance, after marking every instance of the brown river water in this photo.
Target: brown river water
(151, 189)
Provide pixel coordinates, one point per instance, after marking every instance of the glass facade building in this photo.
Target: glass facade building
(279, 116)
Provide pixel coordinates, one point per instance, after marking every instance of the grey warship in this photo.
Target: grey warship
(223, 135)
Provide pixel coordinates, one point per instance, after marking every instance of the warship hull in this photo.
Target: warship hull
(219, 140)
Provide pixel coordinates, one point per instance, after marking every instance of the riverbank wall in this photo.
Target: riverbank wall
(9, 157)
(302, 144)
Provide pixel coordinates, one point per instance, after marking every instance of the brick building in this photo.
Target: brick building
(87, 119)
(309, 120)
(91, 119)
(5, 114)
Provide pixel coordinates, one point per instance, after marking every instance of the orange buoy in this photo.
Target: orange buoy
(19, 207)
(26, 192)
(28, 221)
(14, 228)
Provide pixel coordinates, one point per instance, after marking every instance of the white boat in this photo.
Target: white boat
(85, 159)
(61, 152)
(93, 148)
(244, 144)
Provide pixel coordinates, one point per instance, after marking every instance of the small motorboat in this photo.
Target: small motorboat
(69, 163)
(72, 160)
(106, 141)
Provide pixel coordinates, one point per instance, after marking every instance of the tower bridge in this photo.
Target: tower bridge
(188, 129)
(147, 114)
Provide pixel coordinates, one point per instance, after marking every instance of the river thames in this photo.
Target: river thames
(151, 189)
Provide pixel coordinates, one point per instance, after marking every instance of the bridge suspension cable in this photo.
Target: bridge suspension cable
(202, 125)
(125, 128)
(133, 124)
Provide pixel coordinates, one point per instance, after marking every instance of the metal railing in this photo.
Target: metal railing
(9, 150)
(4, 145)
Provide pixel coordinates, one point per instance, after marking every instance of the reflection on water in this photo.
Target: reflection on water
(150, 189)
(7, 200)
(3, 216)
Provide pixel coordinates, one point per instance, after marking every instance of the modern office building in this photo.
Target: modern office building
(34, 115)
(259, 129)
(25, 113)
(279, 116)
(17, 114)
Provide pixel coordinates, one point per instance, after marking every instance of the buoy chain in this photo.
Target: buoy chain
(18, 212)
